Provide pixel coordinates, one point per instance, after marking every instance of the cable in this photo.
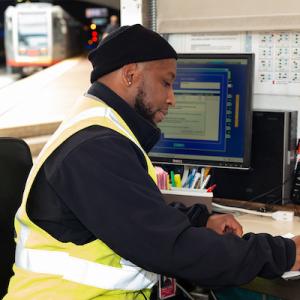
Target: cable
(274, 202)
(186, 293)
(222, 208)
(213, 295)
(279, 215)
(271, 190)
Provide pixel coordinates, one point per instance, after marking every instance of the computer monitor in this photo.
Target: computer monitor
(211, 123)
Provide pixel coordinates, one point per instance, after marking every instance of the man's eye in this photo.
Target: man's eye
(166, 83)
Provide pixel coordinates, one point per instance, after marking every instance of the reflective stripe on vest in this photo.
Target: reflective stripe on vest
(92, 112)
(128, 277)
(83, 271)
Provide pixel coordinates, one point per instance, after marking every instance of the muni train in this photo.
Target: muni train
(39, 35)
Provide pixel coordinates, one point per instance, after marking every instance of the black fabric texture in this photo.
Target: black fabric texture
(197, 214)
(125, 45)
(95, 185)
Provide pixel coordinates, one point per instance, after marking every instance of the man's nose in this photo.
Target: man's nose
(171, 98)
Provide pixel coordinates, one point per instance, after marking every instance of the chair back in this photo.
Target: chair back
(15, 164)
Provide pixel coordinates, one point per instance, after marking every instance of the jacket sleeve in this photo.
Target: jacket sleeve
(120, 204)
(197, 213)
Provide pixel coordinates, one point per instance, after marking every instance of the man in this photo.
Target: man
(111, 27)
(93, 224)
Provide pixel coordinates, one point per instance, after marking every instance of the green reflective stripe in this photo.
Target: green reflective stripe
(128, 277)
(83, 271)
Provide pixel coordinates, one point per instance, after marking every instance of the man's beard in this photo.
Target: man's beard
(141, 107)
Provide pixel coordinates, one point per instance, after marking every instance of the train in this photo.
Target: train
(39, 35)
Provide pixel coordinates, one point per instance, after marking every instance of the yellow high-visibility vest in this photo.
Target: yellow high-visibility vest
(46, 268)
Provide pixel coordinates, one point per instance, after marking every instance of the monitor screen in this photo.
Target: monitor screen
(211, 122)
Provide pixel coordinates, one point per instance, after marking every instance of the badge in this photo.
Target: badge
(166, 287)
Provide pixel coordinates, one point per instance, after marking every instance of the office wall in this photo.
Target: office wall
(180, 16)
(235, 16)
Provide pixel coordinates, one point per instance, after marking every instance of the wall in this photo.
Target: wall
(215, 16)
(230, 15)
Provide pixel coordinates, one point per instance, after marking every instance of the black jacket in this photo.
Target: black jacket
(95, 185)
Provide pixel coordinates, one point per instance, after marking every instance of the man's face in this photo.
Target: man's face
(155, 91)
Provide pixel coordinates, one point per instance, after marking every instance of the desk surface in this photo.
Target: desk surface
(258, 224)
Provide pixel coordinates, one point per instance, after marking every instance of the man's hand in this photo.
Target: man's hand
(296, 266)
(227, 223)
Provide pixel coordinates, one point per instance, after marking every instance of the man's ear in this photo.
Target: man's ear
(130, 74)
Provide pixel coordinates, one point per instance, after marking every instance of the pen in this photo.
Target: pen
(195, 180)
(191, 178)
(185, 176)
(172, 178)
(202, 176)
(205, 182)
(177, 180)
(211, 188)
(206, 172)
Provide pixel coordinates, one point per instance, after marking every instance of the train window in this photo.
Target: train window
(32, 30)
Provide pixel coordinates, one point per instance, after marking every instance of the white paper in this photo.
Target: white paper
(290, 274)
(208, 43)
(277, 55)
(277, 62)
(131, 12)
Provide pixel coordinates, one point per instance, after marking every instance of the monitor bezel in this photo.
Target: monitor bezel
(246, 164)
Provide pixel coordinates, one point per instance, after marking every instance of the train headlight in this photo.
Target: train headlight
(43, 50)
(22, 51)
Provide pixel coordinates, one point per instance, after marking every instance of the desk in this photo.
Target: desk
(289, 290)
(258, 224)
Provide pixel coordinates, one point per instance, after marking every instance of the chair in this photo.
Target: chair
(15, 164)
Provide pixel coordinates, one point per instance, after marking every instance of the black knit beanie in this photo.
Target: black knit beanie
(128, 44)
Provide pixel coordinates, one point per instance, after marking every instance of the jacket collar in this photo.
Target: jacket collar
(146, 133)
